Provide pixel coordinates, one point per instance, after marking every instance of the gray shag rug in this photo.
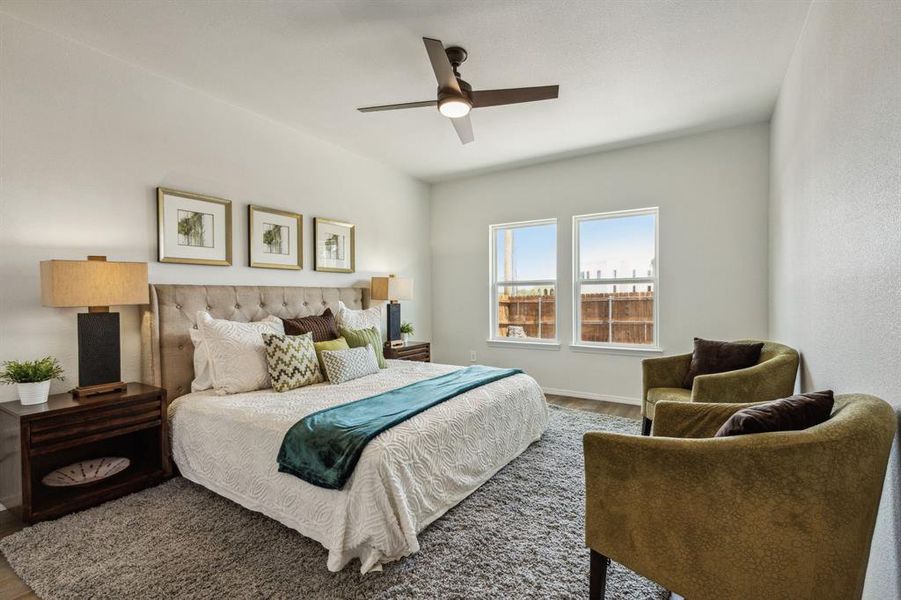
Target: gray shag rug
(518, 536)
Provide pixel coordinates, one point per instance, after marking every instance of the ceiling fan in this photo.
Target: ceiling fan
(456, 97)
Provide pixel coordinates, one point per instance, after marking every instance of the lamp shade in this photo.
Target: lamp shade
(391, 288)
(93, 282)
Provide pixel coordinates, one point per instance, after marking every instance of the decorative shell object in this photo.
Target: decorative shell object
(86, 471)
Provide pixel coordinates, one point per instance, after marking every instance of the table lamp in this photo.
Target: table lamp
(97, 284)
(393, 289)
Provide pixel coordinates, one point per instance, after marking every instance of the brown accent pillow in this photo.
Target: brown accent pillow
(788, 414)
(718, 357)
(323, 327)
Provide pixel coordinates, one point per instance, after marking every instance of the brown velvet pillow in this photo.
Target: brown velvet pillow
(323, 327)
(788, 414)
(718, 357)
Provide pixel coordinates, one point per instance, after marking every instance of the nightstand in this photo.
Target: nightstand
(420, 351)
(35, 440)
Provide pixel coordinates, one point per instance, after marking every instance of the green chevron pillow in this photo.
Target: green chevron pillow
(291, 360)
(360, 338)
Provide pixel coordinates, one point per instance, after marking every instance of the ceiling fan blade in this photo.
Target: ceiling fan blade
(444, 72)
(464, 129)
(483, 98)
(398, 106)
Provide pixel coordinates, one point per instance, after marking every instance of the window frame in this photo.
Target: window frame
(494, 283)
(578, 281)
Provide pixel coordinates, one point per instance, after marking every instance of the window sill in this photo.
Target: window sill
(606, 349)
(524, 344)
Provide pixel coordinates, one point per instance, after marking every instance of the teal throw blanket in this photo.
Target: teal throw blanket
(323, 448)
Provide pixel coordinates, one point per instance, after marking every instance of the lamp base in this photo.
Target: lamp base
(98, 354)
(101, 388)
(394, 335)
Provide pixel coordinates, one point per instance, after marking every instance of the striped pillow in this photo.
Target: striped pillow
(323, 327)
(358, 338)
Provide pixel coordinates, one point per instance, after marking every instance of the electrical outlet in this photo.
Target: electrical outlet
(472, 356)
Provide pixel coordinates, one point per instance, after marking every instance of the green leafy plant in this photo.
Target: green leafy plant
(273, 237)
(406, 327)
(31, 371)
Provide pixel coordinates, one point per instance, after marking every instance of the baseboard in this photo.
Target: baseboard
(592, 396)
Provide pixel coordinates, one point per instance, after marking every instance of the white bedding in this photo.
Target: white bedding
(406, 477)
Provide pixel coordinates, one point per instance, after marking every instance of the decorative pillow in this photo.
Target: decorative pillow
(202, 378)
(339, 344)
(718, 357)
(344, 365)
(237, 353)
(788, 414)
(359, 319)
(291, 360)
(323, 327)
(357, 338)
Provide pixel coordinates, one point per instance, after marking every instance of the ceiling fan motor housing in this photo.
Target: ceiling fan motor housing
(447, 93)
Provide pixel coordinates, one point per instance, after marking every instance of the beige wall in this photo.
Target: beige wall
(84, 141)
(712, 192)
(835, 222)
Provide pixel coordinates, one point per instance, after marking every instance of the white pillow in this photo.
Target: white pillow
(202, 378)
(352, 363)
(237, 354)
(358, 319)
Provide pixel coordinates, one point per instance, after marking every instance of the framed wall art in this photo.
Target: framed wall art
(194, 229)
(333, 245)
(275, 238)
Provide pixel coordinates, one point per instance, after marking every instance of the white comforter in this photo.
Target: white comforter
(406, 477)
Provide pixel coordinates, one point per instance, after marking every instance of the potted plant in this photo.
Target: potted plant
(32, 378)
(406, 330)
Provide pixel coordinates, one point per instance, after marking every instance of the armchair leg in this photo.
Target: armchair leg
(645, 426)
(597, 582)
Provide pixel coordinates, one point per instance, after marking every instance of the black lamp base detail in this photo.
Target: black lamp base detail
(394, 335)
(99, 366)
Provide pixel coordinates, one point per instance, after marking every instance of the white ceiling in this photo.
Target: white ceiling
(628, 70)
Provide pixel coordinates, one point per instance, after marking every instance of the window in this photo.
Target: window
(615, 279)
(524, 281)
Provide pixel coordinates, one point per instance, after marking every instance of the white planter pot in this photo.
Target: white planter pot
(405, 337)
(33, 393)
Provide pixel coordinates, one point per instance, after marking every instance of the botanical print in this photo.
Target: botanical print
(276, 239)
(333, 247)
(195, 229)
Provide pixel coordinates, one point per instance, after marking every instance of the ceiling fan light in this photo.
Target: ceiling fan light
(454, 107)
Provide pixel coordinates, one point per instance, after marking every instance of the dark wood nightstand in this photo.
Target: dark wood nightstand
(421, 351)
(35, 440)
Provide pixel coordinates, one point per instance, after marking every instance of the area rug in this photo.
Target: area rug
(518, 536)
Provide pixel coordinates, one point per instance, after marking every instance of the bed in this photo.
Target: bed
(407, 477)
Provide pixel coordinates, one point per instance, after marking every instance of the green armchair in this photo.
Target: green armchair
(783, 515)
(771, 378)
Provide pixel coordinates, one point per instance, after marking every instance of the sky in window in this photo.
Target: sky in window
(623, 244)
(620, 243)
(534, 252)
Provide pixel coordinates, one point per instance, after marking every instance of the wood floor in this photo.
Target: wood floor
(13, 588)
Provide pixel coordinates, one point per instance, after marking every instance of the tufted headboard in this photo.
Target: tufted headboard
(167, 354)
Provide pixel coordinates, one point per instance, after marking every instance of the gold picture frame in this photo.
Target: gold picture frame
(187, 235)
(329, 253)
(280, 249)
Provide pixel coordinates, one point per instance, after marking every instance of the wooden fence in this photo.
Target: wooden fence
(619, 317)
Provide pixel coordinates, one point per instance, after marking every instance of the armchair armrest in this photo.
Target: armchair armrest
(693, 419)
(769, 380)
(666, 371)
(729, 517)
